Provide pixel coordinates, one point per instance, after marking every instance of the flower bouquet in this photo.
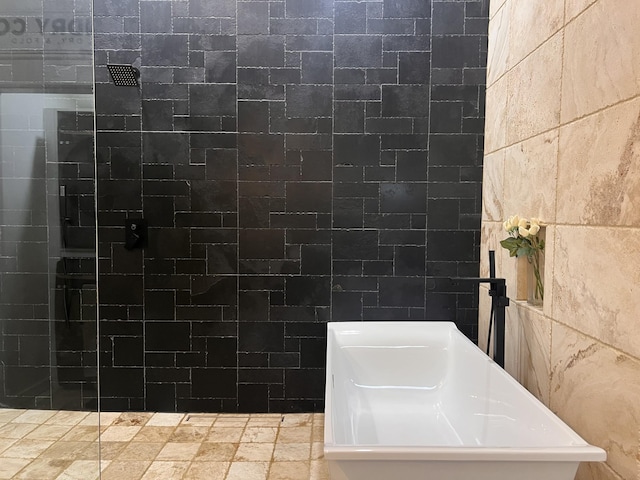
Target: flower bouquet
(523, 241)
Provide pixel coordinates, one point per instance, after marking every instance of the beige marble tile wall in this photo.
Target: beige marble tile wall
(563, 144)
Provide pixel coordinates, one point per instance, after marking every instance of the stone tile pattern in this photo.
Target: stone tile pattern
(288, 156)
(575, 141)
(53, 56)
(50, 445)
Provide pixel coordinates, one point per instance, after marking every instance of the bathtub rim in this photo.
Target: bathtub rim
(579, 451)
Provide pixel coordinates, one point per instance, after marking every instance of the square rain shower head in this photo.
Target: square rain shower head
(124, 75)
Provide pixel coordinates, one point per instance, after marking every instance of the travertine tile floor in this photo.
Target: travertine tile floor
(62, 445)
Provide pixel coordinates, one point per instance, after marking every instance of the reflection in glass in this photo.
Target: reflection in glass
(47, 214)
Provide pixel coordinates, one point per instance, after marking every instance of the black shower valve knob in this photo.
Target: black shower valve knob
(135, 233)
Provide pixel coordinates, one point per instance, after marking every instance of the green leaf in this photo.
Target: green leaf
(511, 244)
(524, 251)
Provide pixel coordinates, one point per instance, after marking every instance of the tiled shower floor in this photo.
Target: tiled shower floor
(62, 445)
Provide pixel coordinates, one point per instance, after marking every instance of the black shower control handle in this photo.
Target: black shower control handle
(135, 233)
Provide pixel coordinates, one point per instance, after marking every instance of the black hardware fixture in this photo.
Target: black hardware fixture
(499, 300)
(135, 233)
(124, 75)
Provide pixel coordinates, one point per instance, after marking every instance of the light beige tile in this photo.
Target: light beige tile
(227, 421)
(131, 470)
(132, 419)
(140, 451)
(596, 281)
(595, 390)
(297, 420)
(92, 452)
(6, 443)
(535, 352)
(254, 452)
(165, 420)
(224, 435)
(596, 471)
(189, 434)
(43, 468)
(17, 430)
(92, 419)
(497, 109)
(215, 452)
(49, 432)
(199, 419)
(178, 451)
(599, 175)
(317, 434)
(25, 448)
(498, 48)
(8, 414)
(495, 6)
(9, 467)
(259, 434)
(107, 418)
(601, 58)
(203, 470)
(317, 450)
(319, 470)
(534, 92)
(289, 470)
(265, 420)
(526, 31)
(484, 310)
(81, 433)
(154, 434)
(34, 416)
(66, 450)
(248, 471)
(116, 433)
(81, 470)
(166, 471)
(108, 450)
(490, 235)
(493, 187)
(294, 434)
(530, 172)
(70, 418)
(573, 8)
(512, 336)
(288, 452)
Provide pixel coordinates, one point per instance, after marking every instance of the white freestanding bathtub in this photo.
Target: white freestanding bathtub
(418, 400)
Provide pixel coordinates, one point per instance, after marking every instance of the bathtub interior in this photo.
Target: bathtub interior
(404, 384)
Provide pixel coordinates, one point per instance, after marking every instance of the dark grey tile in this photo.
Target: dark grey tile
(253, 18)
(351, 17)
(165, 50)
(260, 51)
(358, 51)
(155, 17)
(220, 67)
(309, 8)
(407, 8)
(309, 101)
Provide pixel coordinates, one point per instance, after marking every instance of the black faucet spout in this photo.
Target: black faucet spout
(499, 301)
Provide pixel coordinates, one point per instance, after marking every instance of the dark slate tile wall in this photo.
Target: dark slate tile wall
(297, 161)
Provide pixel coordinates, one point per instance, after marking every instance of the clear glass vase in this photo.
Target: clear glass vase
(535, 280)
